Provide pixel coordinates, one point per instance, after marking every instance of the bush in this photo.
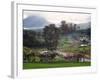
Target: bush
(30, 55)
(37, 59)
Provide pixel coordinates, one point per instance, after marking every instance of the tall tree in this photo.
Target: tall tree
(64, 27)
(51, 36)
(67, 27)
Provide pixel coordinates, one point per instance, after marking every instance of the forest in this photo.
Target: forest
(65, 46)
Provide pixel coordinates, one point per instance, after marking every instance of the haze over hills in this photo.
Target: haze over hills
(84, 25)
(79, 27)
(33, 22)
(38, 23)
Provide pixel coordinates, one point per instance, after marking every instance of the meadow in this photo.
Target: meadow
(55, 65)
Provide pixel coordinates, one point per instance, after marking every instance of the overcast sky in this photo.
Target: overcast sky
(55, 17)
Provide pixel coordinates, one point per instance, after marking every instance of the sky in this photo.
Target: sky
(40, 18)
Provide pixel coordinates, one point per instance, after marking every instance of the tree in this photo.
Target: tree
(64, 27)
(31, 39)
(28, 56)
(89, 33)
(67, 27)
(51, 36)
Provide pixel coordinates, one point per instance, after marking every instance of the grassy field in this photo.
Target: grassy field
(54, 65)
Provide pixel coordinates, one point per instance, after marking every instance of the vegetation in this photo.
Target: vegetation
(51, 36)
(53, 46)
(52, 65)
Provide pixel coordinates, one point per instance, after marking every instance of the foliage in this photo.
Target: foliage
(67, 28)
(63, 42)
(32, 39)
(51, 36)
(51, 39)
(54, 64)
(84, 49)
(31, 55)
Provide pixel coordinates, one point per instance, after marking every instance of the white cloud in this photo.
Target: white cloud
(55, 17)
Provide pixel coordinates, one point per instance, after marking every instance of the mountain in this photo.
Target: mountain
(32, 22)
(37, 23)
(84, 25)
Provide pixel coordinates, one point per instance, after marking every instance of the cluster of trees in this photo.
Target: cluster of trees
(47, 38)
(51, 36)
(34, 55)
(31, 39)
(67, 28)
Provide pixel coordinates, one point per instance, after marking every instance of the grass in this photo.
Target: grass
(54, 65)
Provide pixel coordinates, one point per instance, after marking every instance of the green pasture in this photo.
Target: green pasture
(54, 65)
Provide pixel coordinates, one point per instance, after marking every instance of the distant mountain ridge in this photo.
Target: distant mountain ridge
(84, 25)
(38, 22)
(80, 26)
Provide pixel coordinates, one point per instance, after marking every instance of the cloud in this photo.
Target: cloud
(56, 17)
(34, 21)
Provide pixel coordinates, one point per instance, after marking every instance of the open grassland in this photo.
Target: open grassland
(55, 65)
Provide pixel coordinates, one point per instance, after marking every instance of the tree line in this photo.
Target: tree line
(48, 37)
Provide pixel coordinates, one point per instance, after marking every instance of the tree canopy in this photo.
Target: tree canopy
(51, 36)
